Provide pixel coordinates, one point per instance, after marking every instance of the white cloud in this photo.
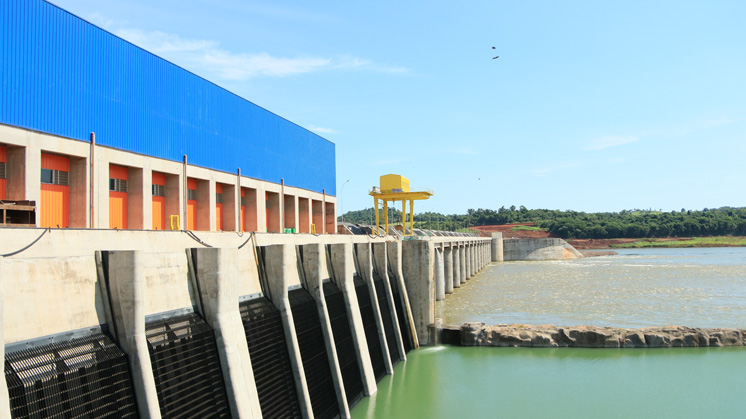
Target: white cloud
(321, 130)
(100, 20)
(611, 141)
(202, 55)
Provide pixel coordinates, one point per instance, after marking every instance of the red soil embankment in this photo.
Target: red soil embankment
(508, 233)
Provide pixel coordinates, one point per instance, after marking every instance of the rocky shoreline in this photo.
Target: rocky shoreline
(479, 334)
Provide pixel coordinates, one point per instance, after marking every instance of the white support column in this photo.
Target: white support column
(469, 271)
(281, 264)
(448, 266)
(497, 247)
(217, 275)
(462, 256)
(456, 265)
(440, 276)
(315, 269)
(128, 297)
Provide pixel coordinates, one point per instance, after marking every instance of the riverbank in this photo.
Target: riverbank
(547, 336)
(664, 242)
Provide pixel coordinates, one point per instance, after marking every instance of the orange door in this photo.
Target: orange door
(266, 206)
(55, 200)
(191, 204)
(159, 201)
(159, 213)
(117, 197)
(219, 207)
(117, 210)
(55, 191)
(191, 214)
(3, 176)
(242, 213)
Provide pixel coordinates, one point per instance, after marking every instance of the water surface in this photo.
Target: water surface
(703, 287)
(456, 382)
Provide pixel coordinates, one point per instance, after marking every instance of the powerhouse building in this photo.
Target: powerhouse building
(96, 132)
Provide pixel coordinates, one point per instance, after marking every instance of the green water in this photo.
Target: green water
(453, 382)
(649, 287)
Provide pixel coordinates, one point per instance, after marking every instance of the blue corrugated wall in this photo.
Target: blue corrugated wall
(65, 76)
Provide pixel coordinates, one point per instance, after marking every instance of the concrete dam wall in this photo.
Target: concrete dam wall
(158, 324)
(538, 249)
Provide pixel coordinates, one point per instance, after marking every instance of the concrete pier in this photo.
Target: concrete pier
(282, 273)
(127, 288)
(456, 265)
(344, 270)
(464, 264)
(440, 276)
(315, 273)
(216, 272)
(448, 267)
(381, 267)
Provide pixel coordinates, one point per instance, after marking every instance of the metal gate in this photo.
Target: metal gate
(335, 305)
(273, 375)
(314, 355)
(370, 326)
(79, 378)
(188, 378)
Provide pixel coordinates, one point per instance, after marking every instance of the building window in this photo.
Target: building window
(117, 185)
(191, 194)
(218, 198)
(2, 170)
(55, 177)
(159, 190)
(243, 201)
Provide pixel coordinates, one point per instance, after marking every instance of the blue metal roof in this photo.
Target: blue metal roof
(64, 76)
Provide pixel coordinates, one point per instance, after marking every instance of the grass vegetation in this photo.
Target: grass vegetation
(719, 241)
(527, 228)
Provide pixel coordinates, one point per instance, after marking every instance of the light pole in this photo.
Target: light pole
(341, 202)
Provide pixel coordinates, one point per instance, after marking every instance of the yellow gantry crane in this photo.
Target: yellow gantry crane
(396, 188)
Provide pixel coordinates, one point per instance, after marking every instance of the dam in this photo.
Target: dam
(259, 325)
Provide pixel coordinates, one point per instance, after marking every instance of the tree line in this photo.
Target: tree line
(724, 221)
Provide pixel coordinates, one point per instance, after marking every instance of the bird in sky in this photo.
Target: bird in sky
(494, 58)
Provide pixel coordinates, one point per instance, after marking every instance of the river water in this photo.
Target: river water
(638, 288)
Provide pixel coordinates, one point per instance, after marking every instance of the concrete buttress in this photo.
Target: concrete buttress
(343, 269)
(282, 271)
(315, 273)
(456, 265)
(380, 265)
(127, 287)
(216, 271)
(365, 263)
(418, 266)
(448, 267)
(394, 254)
(440, 276)
(462, 256)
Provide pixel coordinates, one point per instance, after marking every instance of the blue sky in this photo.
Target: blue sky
(592, 106)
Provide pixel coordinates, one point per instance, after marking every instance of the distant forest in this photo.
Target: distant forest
(725, 221)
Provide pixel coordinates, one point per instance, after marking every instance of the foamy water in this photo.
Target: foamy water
(638, 288)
